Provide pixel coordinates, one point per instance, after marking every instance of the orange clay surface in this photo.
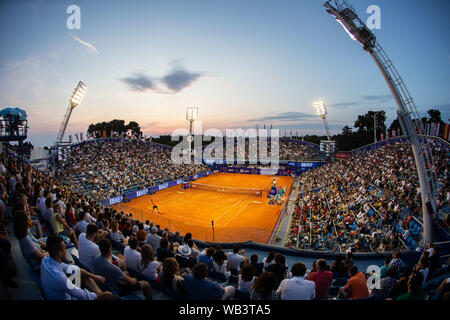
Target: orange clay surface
(236, 217)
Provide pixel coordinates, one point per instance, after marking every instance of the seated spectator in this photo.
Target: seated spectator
(117, 239)
(269, 260)
(177, 238)
(87, 248)
(236, 257)
(164, 251)
(246, 277)
(194, 250)
(387, 284)
(385, 267)
(220, 263)
(81, 225)
(297, 288)
(422, 266)
(401, 285)
(141, 234)
(264, 287)
(132, 257)
(55, 282)
(206, 258)
(279, 267)
(149, 267)
(257, 266)
(116, 279)
(153, 239)
(33, 250)
(396, 261)
(356, 287)
(198, 287)
(322, 279)
(70, 215)
(7, 267)
(170, 276)
(60, 226)
(339, 268)
(415, 290)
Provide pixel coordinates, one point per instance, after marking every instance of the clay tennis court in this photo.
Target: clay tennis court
(237, 217)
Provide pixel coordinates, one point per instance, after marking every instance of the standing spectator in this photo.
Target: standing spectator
(322, 279)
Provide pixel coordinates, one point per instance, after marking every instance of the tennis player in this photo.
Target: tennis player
(154, 206)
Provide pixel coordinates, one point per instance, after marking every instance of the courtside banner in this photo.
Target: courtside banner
(342, 155)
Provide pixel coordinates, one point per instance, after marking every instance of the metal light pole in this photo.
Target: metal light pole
(321, 110)
(191, 116)
(357, 30)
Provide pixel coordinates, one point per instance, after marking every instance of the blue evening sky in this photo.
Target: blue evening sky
(241, 62)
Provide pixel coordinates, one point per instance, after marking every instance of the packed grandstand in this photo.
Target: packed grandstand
(347, 215)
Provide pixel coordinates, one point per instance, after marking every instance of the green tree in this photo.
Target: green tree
(435, 115)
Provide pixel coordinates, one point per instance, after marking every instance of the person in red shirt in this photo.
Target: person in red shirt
(322, 279)
(356, 287)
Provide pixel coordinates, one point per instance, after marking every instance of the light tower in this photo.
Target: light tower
(321, 110)
(191, 116)
(357, 30)
(74, 101)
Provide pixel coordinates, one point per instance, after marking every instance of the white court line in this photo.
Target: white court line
(231, 208)
(237, 213)
(257, 202)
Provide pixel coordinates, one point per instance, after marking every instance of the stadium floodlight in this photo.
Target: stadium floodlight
(78, 94)
(321, 110)
(344, 13)
(191, 116)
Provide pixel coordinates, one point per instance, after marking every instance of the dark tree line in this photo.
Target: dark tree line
(115, 125)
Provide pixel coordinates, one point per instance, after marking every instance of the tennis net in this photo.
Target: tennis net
(208, 187)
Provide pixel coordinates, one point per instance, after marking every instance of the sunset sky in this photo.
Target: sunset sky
(241, 62)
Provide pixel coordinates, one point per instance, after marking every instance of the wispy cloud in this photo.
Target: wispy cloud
(91, 48)
(285, 116)
(365, 99)
(138, 82)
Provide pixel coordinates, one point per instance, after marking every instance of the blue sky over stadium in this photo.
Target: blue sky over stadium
(241, 62)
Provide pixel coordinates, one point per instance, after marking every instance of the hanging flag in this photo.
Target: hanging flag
(285, 133)
(76, 136)
(436, 132)
(394, 133)
(387, 134)
(81, 136)
(382, 136)
(445, 131)
(264, 126)
(70, 139)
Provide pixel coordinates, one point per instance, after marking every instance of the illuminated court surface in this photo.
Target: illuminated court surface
(237, 217)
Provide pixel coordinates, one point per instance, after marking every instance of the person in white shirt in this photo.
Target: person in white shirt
(131, 255)
(54, 280)
(246, 277)
(87, 249)
(149, 267)
(236, 257)
(297, 288)
(82, 224)
(48, 212)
